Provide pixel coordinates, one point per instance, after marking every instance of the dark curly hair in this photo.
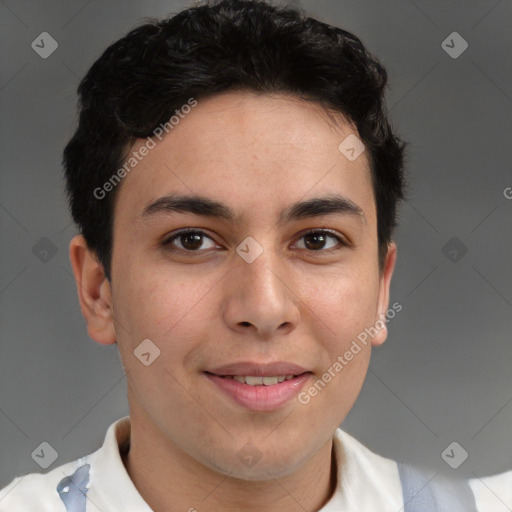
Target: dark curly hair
(247, 45)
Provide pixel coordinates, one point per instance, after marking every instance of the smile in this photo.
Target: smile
(259, 381)
(259, 392)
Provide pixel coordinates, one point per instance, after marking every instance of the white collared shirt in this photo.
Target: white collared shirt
(367, 482)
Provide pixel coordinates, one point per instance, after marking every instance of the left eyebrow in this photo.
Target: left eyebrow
(207, 207)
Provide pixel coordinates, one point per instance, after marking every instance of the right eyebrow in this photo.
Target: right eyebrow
(205, 206)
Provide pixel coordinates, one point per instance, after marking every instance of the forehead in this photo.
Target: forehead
(251, 151)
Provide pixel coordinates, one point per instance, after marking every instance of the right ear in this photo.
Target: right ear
(94, 292)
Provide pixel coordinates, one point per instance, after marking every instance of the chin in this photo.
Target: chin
(251, 464)
(260, 472)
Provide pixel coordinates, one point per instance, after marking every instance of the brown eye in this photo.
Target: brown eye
(189, 240)
(315, 240)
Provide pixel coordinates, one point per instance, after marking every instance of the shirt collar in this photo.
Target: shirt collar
(365, 481)
(111, 487)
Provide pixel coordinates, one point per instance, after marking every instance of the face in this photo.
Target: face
(275, 291)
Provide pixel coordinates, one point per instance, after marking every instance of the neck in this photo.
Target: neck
(169, 480)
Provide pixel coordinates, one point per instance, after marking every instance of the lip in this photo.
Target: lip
(259, 370)
(260, 398)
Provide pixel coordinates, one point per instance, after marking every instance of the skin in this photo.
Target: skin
(257, 154)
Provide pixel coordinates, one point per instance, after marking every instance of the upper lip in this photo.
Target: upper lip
(259, 369)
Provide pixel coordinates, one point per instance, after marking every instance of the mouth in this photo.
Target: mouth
(259, 387)
(254, 380)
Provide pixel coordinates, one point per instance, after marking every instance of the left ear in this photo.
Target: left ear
(383, 301)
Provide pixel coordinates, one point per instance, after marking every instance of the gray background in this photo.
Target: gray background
(445, 372)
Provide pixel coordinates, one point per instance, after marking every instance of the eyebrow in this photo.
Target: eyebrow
(207, 207)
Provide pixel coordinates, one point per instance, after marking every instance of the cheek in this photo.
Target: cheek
(174, 311)
(159, 308)
(344, 306)
(343, 309)
(157, 304)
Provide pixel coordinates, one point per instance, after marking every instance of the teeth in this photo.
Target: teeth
(269, 381)
(261, 381)
(254, 381)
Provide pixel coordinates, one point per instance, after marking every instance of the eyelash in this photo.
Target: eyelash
(167, 243)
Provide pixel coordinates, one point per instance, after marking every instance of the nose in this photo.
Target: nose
(262, 296)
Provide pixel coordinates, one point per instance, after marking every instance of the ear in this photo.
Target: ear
(94, 292)
(383, 300)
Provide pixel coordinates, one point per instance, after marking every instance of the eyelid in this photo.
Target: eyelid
(167, 241)
(342, 239)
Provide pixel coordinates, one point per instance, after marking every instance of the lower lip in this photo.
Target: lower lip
(260, 398)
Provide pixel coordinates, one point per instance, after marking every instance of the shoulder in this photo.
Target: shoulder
(396, 485)
(46, 492)
(493, 493)
(67, 487)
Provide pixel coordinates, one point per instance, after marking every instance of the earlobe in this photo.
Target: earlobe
(383, 302)
(94, 292)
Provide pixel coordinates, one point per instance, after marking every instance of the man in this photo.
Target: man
(235, 181)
